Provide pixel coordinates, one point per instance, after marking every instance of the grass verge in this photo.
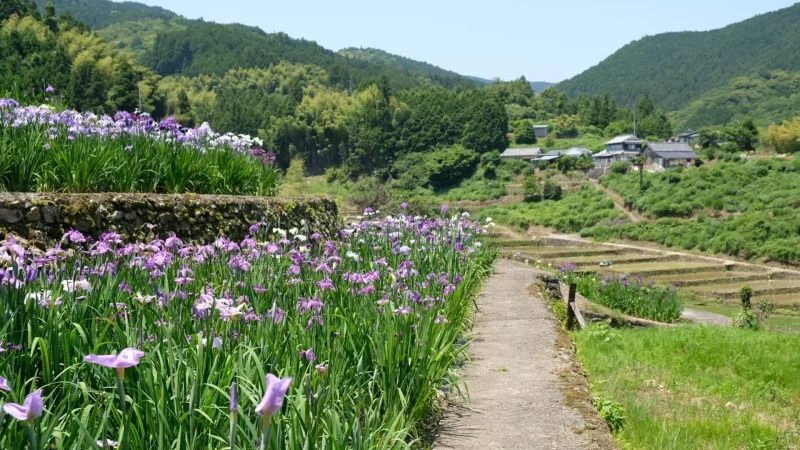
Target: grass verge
(697, 387)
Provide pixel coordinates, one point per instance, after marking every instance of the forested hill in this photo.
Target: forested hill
(99, 14)
(400, 62)
(172, 45)
(676, 68)
(765, 98)
(537, 86)
(211, 48)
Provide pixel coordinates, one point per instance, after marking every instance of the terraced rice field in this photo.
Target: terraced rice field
(649, 269)
(760, 288)
(790, 301)
(582, 261)
(703, 279)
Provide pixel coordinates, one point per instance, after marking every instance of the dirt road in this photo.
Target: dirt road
(619, 202)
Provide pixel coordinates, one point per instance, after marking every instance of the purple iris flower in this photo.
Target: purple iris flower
(74, 236)
(4, 385)
(273, 397)
(30, 409)
(128, 357)
(234, 399)
(308, 355)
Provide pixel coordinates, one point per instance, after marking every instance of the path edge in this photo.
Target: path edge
(573, 381)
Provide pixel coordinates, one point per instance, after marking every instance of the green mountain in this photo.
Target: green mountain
(537, 86)
(172, 45)
(211, 48)
(99, 14)
(399, 62)
(676, 68)
(765, 98)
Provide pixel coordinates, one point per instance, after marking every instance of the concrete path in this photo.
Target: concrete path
(705, 317)
(515, 399)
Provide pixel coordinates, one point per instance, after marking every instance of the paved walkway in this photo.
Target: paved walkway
(705, 317)
(515, 400)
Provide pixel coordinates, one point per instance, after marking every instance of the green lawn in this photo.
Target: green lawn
(696, 387)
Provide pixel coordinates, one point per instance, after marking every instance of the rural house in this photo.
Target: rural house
(554, 155)
(621, 148)
(689, 136)
(628, 142)
(525, 154)
(664, 155)
(541, 131)
(608, 157)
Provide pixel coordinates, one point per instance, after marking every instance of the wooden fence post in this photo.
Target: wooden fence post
(571, 306)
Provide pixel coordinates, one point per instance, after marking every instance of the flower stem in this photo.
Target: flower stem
(266, 436)
(121, 391)
(233, 431)
(31, 436)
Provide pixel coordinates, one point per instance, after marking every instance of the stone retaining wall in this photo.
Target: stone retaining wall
(42, 219)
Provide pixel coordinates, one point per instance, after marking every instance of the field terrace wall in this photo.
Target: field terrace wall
(42, 219)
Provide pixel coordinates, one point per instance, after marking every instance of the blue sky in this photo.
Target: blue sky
(543, 40)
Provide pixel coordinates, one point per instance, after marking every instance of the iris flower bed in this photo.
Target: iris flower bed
(42, 150)
(291, 342)
(631, 296)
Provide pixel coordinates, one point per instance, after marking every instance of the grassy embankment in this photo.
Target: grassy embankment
(697, 387)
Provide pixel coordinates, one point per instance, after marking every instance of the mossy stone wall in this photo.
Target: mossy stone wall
(42, 219)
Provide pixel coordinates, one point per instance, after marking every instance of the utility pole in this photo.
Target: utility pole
(139, 85)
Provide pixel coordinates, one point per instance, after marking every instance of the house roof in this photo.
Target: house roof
(626, 139)
(547, 158)
(521, 152)
(574, 151)
(672, 150)
(689, 133)
(540, 126)
(578, 151)
(612, 153)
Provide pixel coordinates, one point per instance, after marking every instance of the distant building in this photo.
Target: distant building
(628, 142)
(541, 131)
(690, 137)
(608, 157)
(664, 155)
(521, 153)
(554, 155)
(621, 148)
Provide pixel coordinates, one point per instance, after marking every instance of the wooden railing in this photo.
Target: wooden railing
(573, 311)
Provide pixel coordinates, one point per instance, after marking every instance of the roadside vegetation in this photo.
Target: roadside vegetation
(632, 296)
(362, 329)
